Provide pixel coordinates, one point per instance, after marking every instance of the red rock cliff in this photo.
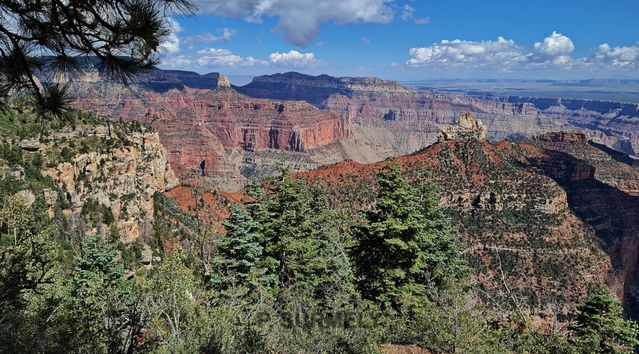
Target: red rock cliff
(202, 124)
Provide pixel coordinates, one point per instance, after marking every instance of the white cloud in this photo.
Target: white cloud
(616, 57)
(292, 59)
(468, 53)
(555, 45)
(408, 12)
(218, 57)
(555, 49)
(299, 20)
(502, 54)
(422, 20)
(171, 42)
(176, 62)
(226, 34)
(366, 40)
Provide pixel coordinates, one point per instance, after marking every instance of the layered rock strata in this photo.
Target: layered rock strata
(120, 179)
(215, 125)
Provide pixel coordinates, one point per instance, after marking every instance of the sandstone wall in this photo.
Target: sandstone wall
(123, 179)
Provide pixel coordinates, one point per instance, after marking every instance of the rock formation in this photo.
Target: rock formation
(223, 82)
(556, 210)
(154, 79)
(364, 119)
(467, 128)
(121, 179)
(220, 126)
(602, 186)
(396, 119)
(516, 220)
(315, 89)
(606, 122)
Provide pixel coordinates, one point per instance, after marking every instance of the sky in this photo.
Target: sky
(409, 39)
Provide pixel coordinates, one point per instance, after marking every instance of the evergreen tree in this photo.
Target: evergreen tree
(104, 307)
(599, 326)
(174, 299)
(290, 236)
(26, 253)
(239, 262)
(29, 267)
(124, 35)
(407, 248)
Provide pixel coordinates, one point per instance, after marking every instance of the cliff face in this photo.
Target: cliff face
(315, 89)
(153, 79)
(363, 119)
(399, 120)
(615, 124)
(521, 234)
(603, 190)
(210, 125)
(106, 171)
(556, 214)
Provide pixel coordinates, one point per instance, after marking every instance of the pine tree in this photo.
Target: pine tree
(599, 326)
(290, 235)
(407, 248)
(30, 264)
(123, 35)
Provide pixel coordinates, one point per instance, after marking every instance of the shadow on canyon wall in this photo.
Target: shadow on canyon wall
(612, 213)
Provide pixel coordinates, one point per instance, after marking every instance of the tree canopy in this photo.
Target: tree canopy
(50, 37)
(408, 248)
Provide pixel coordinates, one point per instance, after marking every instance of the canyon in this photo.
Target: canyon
(308, 121)
(542, 219)
(228, 130)
(293, 119)
(524, 208)
(546, 212)
(615, 124)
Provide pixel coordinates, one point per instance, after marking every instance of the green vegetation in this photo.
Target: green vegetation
(407, 249)
(71, 33)
(296, 270)
(97, 213)
(600, 328)
(290, 274)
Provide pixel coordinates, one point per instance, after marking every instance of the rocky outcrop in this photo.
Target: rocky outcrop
(467, 128)
(603, 190)
(315, 89)
(119, 180)
(563, 137)
(223, 82)
(364, 119)
(154, 79)
(523, 238)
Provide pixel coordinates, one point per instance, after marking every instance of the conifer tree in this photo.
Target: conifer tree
(239, 263)
(291, 240)
(407, 249)
(123, 35)
(104, 307)
(599, 326)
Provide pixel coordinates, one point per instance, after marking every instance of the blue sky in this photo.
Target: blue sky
(560, 39)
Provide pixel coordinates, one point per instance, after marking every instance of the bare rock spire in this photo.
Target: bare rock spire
(468, 128)
(223, 82)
